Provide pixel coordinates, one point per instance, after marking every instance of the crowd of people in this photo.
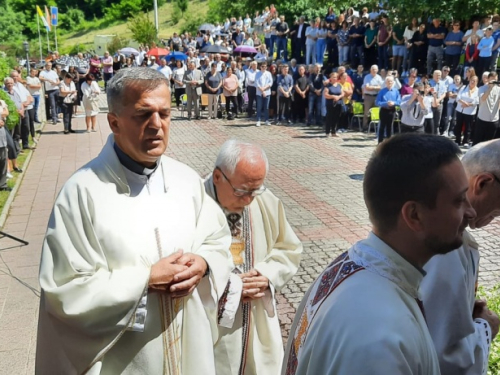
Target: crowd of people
(147, 267)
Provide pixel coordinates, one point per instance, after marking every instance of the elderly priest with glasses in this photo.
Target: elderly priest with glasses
(266, 254)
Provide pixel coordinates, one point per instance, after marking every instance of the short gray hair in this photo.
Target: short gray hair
(145, 79)
(483, 158)
(233, 151)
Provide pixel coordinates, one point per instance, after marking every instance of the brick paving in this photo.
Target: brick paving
(318, 179)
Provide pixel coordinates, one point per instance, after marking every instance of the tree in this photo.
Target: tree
(117, 44)
(183, 5)
(143, 30)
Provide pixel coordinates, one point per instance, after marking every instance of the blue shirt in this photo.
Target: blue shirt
(436, 30)
(455, 49)
(285, 82)
(385, 95)
(485, 45)
(333, 90)
(496, 36)
(263, 79)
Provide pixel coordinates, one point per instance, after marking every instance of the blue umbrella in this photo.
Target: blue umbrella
(176, 56)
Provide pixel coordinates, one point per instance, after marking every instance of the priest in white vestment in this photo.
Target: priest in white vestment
(266, 254)
(363, 315)
(136, 254)
(461, 327)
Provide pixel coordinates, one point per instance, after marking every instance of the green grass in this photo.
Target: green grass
(492, 296)
(85, 37)
(21, 159)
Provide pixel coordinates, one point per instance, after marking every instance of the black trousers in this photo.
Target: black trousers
(22, 130)
(252, 93)
(178, 93)
(386, 122)
(452, 61)
(333, 113)
(411, 129)
(31, 112)
(52, 104)
(284, 107)
(466, 120)
(299, 107)
(484, 131)
(67, 109)
(3, 166)
(229, 100)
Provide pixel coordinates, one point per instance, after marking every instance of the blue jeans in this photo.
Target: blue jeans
(314, 105)
(36, 103)
(343, 54)
(271, 48)
(311, 53)
(263, 107)
(281, 45)
(52, 99)
(320, 50)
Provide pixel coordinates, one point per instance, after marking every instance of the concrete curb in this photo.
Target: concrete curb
(12, 195)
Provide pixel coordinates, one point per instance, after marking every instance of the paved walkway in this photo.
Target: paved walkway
(318, 179)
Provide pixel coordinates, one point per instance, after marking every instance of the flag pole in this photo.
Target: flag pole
(39, 36)
(48, 42)
(55, 36)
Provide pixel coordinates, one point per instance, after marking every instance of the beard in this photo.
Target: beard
(437, 246)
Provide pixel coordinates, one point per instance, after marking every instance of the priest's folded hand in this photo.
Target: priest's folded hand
(254, 285)
(185, 281)
(163, 272)
(482, 311)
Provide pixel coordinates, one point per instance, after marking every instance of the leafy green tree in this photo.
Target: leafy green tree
(183, 5)
(142, 28)
(117, 43)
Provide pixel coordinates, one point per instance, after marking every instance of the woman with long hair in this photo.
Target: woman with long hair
(333, 94)
(90, 91)
(321, 34)
(467, 103)
(76, 79)
(273, 101)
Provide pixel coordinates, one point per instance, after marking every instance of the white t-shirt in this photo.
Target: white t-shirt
(408, 34)
(35, 82)
(52, 76)
(166, 71)
(479, 33)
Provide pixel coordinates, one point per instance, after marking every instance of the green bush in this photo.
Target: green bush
(176, 15)
(191, 25)
(492, 296)
(13, 118)
(142, 28)
(117, 44)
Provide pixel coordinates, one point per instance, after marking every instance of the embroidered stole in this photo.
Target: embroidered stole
(339, 270)
(171, 333)
(242, 252)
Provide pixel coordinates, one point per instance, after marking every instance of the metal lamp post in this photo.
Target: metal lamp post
(26, 46)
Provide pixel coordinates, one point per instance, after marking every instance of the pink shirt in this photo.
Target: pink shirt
(107, 69)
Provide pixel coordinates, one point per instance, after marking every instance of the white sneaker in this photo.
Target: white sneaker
(9, 175)
(268, 123)
(258, 123)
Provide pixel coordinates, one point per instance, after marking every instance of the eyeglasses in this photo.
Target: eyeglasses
(241, 192)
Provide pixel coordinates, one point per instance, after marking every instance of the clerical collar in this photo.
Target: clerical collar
(131, 164)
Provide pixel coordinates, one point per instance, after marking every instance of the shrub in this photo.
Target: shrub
(13, 117)
(143, 30)
(117, 44)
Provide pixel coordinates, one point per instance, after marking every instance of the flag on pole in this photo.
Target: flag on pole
(54, 16)
(44, 21)
(47, 17)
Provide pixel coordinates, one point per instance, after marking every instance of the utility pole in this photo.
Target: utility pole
(157, 26)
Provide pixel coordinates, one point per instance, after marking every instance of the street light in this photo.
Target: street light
(26, 47)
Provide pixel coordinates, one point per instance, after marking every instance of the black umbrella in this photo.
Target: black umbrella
(206, 27)
(215, 49)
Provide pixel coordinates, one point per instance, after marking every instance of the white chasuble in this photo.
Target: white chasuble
(252, 344)
(107, 228)
(361, 316)
(449, 292)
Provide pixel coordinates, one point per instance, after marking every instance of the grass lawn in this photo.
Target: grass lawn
(21, 159)
(86, 37)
